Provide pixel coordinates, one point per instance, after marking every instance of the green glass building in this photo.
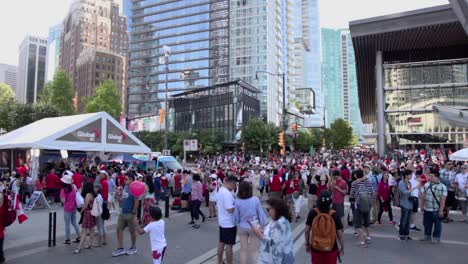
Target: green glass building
(339, 83)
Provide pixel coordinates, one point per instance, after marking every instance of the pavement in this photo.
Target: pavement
(28, 242)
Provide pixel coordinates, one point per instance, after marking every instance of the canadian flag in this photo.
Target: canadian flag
(19, 210)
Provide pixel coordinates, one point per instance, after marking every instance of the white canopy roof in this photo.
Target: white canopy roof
(86, 132)
(461, 155)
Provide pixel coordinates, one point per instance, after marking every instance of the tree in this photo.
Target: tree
(259, 136)
(14, 115)
(340, 134)
(106, 98)
(211, 141)
(6, 92)
(304, 140)
(59, 93)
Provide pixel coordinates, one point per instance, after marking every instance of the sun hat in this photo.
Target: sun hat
(67, 177)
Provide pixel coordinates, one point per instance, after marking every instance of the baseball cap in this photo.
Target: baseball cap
(103, 172)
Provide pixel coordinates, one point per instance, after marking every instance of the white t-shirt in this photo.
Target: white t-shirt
(461, 179)
(156, 233)
(414, 182)
(214, 193)
(225, 201)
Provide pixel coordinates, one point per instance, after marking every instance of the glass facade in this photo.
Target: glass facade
(31, 76)
(194, 30)
(339, 82)
(224, 107)
(424, 99)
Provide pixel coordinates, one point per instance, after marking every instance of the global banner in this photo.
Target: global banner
(88, 133)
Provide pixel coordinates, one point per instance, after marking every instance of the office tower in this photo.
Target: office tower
(94, 67)
(95, 25)
(339, 78)
(32, 68)
(197, 34)
(54, 50)
(8, 75)
(306, 50)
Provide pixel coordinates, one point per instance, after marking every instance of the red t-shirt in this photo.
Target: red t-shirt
(121, 180)
(220, 175)
(77, 180)
(164, 182)
(338, 197)
(53, 181)
(275, 184)
(345, 173)
(177, 182)
(321, 188)
(105, 189)
(292, 186)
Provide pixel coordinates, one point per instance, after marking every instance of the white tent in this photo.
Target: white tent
(87, 132)
(461, 155)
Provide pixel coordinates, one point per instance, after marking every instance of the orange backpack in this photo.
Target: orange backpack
(323, 232)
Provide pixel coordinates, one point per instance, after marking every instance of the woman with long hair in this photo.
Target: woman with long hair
(276, 245)
(68, 199)
(89, 221)
(197, 197)
(384, 196)
(248, 213)
(148, 200)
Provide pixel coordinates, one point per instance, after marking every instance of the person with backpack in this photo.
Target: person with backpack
(68, 199)
(361, 192)
(323, 230)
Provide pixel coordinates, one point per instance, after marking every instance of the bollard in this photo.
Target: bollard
(52, 228)
(166, 206)
(55, 229)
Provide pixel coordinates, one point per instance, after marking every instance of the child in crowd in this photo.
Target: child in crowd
(156, 232)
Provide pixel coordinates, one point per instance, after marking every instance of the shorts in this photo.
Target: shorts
(339, 208)
(324, 257)
(361, 219)
(126, 220)
(227, 235)
(415, 202)
(158, 255)
(111, 198)
(185, 196)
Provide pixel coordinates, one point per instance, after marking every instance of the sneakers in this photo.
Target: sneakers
(425, 239)
(118, 252)
(415, 228)
(392, 223)
(131, 251)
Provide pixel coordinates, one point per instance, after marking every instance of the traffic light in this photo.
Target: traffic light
(162, 116)
(281, 139)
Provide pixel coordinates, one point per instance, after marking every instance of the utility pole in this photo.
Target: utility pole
(165, 60)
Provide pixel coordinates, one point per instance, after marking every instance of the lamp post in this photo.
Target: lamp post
(283, 121)
(165, 60)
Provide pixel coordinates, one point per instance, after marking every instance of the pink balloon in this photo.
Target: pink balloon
(137, 188)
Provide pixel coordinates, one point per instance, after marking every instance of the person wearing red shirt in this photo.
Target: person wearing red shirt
(220, 174)
(276, 185)
(53, 185)
(340, 189)
(121, 179)
(105, 185)
(178, 183)
(77, 179)
(384, 198)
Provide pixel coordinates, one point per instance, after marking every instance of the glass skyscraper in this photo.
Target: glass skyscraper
(339, 82)
(196, 31)
(53, 57)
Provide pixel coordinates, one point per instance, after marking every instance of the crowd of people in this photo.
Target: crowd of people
(234, 188)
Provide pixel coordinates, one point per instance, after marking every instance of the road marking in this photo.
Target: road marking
(381, 235)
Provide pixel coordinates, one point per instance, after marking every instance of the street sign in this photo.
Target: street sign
(190, 145)
(166, 152)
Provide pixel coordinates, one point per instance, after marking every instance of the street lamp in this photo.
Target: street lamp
(283, 121)
(165, 60)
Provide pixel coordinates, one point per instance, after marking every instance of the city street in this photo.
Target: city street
(187, 245)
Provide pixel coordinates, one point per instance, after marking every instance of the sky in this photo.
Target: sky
(22, 17)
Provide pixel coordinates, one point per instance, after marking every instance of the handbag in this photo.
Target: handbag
(79, 199)
(96, 209)
(105, 212)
